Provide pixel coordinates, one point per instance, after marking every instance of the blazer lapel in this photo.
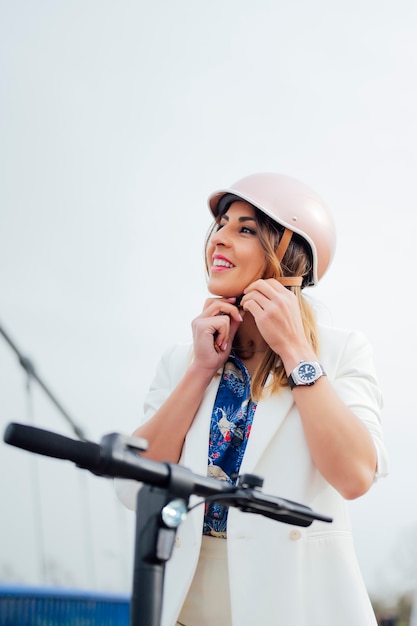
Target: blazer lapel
(195, 451)
(269, 415)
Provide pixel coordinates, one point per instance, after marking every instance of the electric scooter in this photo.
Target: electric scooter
(163, 501)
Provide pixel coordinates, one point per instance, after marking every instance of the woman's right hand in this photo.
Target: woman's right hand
(213, 332)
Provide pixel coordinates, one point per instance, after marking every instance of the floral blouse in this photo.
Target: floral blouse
(230, 427)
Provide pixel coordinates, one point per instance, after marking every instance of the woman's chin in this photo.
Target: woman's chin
(215, 292)
(219, 291)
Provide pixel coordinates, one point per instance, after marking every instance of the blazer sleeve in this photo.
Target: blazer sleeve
(355, 381)
(168, 373)
(170, 370)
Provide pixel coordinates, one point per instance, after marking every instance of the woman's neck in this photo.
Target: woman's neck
(249, 341)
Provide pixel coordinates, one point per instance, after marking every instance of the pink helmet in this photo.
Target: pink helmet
(294, 206)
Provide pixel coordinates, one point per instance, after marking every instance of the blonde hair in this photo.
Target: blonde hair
(296, 262)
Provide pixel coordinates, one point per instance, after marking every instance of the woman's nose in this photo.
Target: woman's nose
(221, 237)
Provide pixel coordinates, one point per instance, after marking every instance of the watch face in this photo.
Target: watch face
(307, 372)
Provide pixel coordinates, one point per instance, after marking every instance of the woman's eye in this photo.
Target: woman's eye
(243, 229)
(247, 230)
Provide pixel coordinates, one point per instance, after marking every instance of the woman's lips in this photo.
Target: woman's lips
(221, 263)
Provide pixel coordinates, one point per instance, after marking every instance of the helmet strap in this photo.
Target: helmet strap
(290, 281)
(287, 281)
(284, 243)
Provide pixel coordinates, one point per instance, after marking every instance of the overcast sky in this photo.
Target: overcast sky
(117, 120)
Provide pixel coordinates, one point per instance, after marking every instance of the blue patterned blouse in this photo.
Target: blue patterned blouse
(230, 428)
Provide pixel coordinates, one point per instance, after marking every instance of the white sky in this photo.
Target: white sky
(117, 121)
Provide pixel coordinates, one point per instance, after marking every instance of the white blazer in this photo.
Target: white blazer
(280, 575)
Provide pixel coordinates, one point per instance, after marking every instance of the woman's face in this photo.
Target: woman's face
(235, 256)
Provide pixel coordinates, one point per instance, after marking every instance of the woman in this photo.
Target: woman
(267, 390)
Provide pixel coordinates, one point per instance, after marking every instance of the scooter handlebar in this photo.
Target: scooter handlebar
(117, 457)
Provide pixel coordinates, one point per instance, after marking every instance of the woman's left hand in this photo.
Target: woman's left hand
(277, 314)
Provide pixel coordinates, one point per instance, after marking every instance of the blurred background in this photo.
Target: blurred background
(117, 120)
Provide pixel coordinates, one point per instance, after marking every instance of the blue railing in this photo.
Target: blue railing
(42, 606)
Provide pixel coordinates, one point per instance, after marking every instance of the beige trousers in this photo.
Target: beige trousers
(208, 599)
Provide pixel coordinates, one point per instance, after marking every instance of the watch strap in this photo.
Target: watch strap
(291, 381)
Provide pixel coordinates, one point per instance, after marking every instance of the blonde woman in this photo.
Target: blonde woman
(267, 390)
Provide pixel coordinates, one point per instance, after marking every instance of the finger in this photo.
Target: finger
(256, 298)
(253, 306)
(234, 315)
(216, 346)
(218, 307)
(211, 301)
(267, 286)
(222, 332)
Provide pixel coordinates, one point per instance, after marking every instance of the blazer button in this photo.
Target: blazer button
(177, 542)
(295, 535)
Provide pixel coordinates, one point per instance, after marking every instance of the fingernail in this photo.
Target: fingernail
(224, 346)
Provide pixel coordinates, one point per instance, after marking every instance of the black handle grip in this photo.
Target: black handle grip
(83, 453)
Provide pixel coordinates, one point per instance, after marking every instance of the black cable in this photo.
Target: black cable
(29, 368)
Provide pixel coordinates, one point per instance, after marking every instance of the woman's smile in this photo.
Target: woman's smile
(221, 263)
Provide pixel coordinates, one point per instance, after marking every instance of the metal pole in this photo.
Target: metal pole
(29, 367)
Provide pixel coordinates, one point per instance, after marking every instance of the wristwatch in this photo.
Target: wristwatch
(306, 373)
